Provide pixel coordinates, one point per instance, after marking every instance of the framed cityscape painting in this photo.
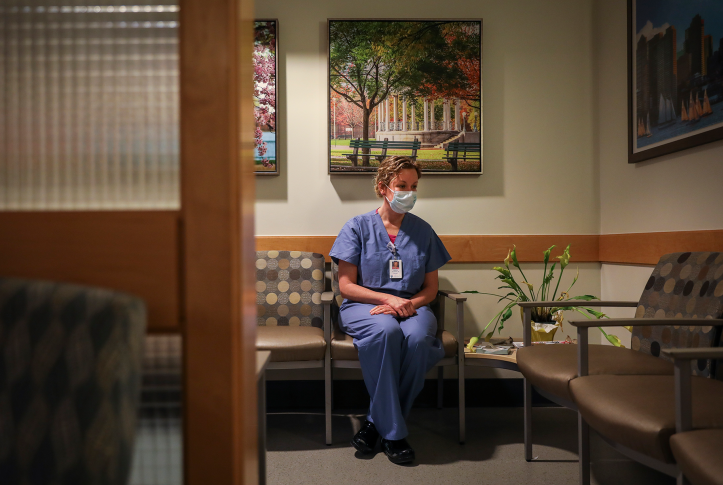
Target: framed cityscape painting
(675, 76)
(405, 87)
(266, 153)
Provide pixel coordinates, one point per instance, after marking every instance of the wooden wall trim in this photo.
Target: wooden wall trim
(646, 248)
(639, 248)
(132, 251)
(463, 249)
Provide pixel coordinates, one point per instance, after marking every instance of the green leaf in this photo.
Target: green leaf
(514, 257)
(613, 339)
(583, 297)
(471, 343)
(547, 253)
(594, 313)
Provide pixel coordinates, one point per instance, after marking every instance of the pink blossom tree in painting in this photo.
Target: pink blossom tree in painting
(264, 58)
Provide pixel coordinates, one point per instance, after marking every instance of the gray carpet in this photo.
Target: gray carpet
(493, 453)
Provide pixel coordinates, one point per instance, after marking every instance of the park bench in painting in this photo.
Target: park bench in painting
(462, 151)
(380, 145)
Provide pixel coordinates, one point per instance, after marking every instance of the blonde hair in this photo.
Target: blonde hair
(390, 168)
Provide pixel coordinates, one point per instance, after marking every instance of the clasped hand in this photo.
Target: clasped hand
(399, 307)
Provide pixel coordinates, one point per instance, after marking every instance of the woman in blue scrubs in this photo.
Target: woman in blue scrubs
(388, 261)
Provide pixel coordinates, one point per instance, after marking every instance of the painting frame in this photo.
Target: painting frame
(639, 154)
(277, 158)
(480, 84)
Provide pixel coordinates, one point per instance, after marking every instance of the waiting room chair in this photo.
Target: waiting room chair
(70, 375)
(681, 307)
(697, 452)
(344, 354)
(550, 369)
(291, 314)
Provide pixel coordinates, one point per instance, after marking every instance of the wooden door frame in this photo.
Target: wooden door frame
(217, 211)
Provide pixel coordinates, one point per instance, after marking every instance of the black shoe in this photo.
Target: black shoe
(366, 439)
(398, 451)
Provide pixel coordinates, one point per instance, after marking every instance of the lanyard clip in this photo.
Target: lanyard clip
(392, 247)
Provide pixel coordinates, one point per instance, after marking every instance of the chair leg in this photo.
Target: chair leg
(327, 398)
(440, 387)
(462, 403)
(528, 420)
(583, 437)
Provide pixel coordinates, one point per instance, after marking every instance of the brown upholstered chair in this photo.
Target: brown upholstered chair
(697, 452)
(676, 288)
(681, 308)
(344, 354)
(639, 415)
(293, 314)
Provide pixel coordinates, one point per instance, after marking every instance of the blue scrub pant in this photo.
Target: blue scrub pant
(395, 355)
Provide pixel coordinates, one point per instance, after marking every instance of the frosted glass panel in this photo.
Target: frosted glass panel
(158, 455)
(88, 105)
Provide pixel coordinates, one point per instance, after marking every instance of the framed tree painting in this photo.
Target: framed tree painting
(405, 87)
(266, 155)
(675, 76)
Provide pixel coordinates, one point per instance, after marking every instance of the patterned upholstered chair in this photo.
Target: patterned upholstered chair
(70, 372)
(344, 354)
(681, 307)
(293, 314)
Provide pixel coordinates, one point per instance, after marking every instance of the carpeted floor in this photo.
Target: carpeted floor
(493, 453)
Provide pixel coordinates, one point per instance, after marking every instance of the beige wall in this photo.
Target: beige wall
(676, 192)
(539, 169)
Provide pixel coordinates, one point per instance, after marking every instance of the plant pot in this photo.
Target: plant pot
(541, 335)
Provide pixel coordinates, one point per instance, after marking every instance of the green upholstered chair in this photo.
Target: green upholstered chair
(681, 308)
(293, 314)
(70, 373)
(344, 354)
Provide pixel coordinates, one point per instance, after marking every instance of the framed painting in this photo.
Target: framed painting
(266, 155)
(675, 76)
(405, 87)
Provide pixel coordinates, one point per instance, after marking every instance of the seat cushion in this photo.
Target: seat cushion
(639, 411)
(289, 344)
(552, 367)
(342, 345)
(698, 454)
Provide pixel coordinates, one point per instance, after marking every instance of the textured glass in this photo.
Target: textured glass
(88, 105)
(158, 456)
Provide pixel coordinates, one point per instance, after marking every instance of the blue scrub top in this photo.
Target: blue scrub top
(363, 242)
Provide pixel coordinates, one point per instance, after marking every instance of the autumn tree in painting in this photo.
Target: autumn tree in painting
(370, 60)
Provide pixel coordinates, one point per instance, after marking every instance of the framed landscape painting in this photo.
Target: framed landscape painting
(405, 87)
(266, 154)
(675, 76)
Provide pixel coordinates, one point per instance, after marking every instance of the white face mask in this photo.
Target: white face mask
(403, 200)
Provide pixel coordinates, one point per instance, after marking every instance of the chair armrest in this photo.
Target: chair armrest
(645, 322)
(694, 354)
(451, 295)
(326, 298)
(683, 382)
(584, 326)
(601, 303)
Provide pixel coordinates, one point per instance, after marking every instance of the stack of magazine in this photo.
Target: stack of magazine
(494, 349)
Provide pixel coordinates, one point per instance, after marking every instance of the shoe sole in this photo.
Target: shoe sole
(363, 451)
(400, 461)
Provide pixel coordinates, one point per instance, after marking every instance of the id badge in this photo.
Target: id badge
(395, 269)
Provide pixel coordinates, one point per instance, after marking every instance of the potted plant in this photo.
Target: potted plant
(545, 320)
